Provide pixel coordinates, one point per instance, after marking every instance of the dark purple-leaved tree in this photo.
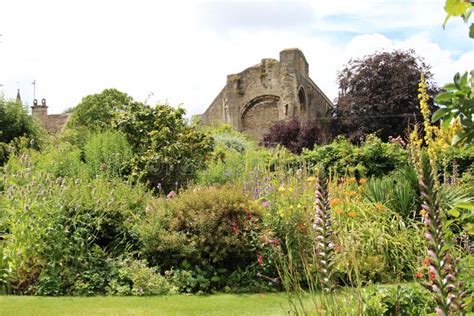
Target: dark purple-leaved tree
(378, 94)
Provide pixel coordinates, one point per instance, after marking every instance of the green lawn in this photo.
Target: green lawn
(221, 304)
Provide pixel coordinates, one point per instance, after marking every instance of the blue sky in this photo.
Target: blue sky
(181, 51)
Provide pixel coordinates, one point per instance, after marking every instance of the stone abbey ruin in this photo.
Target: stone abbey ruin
(253, 100)
(271, 91)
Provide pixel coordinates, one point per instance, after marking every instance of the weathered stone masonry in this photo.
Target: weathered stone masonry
(52, 123)
(268, 92)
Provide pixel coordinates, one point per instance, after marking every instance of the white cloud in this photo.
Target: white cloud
(77, 48)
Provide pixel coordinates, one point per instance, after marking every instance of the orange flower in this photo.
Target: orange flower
(363, 181)
(426, 262)
(352, 180)
(339, 211)
(419, 275)
(378, 206)
(334, 202)
(352, 214)
(352, 193)
(361, 189)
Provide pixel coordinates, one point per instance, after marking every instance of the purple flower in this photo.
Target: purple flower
(266, 204)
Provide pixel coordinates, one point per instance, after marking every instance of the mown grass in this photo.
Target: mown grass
(220, 304)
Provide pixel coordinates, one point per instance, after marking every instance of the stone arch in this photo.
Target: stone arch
(259, 114)
(303, 99)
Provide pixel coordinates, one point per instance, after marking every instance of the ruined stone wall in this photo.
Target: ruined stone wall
(261, 95)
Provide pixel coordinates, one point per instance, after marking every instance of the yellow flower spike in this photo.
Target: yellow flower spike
(422, 212)
(290, 189)
(311, 179)
(299, 205)
(281, 188)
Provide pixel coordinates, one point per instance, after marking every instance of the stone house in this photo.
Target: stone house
(271, 91)
(53, 123)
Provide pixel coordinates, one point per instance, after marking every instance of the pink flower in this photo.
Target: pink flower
(266, 204)
(260, 259)
(274, 242)
(171, 195)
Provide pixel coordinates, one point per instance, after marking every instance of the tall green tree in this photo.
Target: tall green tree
(15, 123)
(167, 150)
(96, 111)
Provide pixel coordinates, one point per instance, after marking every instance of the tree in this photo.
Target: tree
(96, 111)
(167, 151)
(14, 124)
(378, 94)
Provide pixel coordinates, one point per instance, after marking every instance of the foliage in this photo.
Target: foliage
(202, 228)
(134, 277)
(400, 300)
(378, 94)
(96, 111)
(108, 153)
(293, 135)
(461, 8)
(373, 157)
(14, 124)
(226, 135)
(458, 101)
(167, 151)
(59, 232)
(398, 192)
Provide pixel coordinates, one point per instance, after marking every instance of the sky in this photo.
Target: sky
(180, 52)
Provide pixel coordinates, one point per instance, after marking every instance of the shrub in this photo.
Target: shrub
(167, 151)
(59, 232)
(293, 135)
(134, 277)
(372, 158)
(107, 153)
(400, 300)
(201, 228)
(59, 160)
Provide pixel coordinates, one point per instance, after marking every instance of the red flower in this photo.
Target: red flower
(426, 262)
(432, 275)
(235, 226)
(260, 259)
(419, 275)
